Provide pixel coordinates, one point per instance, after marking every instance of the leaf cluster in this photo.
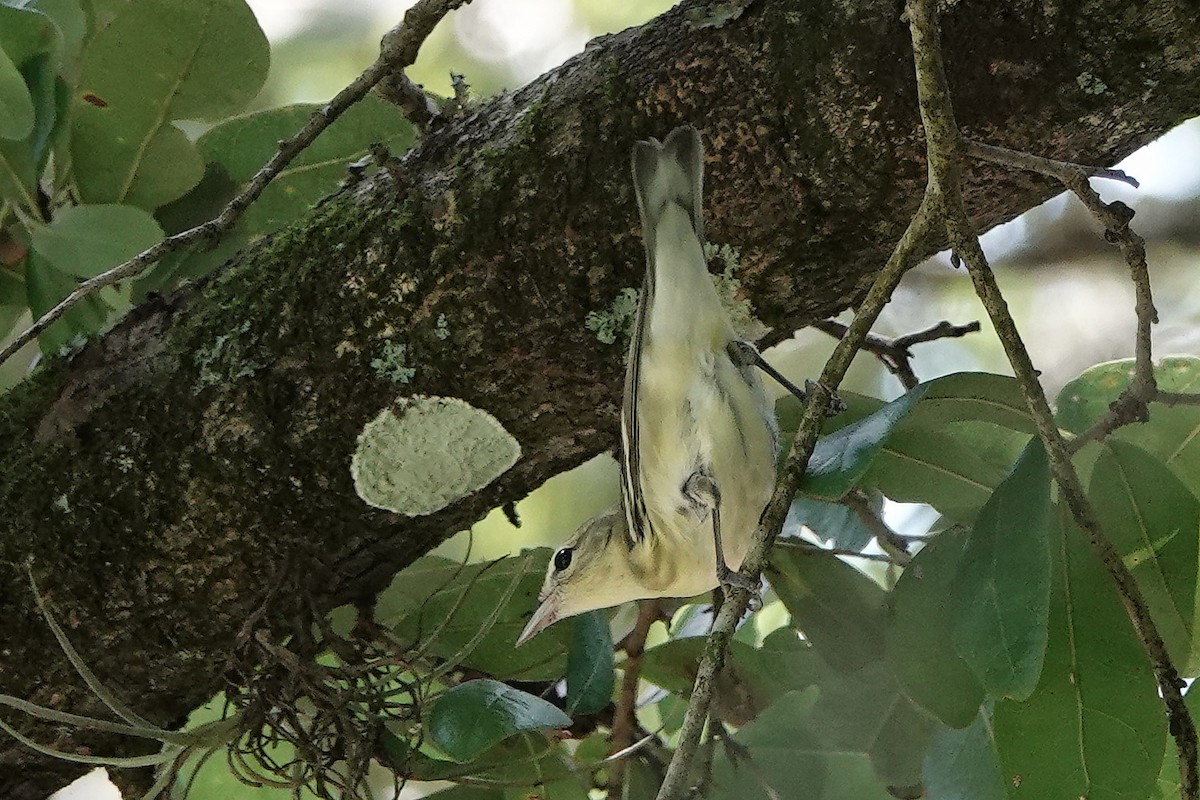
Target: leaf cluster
(122, 123)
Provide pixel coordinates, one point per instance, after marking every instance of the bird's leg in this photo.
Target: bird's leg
(702, 489)
(744, 354)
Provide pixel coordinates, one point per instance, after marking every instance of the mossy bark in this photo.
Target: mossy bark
(190, 469)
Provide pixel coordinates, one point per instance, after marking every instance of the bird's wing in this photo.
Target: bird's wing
(663, 174)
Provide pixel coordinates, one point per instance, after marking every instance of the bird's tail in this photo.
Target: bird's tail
(670, 173)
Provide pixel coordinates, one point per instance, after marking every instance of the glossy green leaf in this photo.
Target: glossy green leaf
(1154, 521)
(198, 59)
(1094, 726)
(869, 712)
(962, 764)
(589, 664)
(789, 758)
(839, 609)
(16, 106)
(1001, 591)
(920, 644)
(242, 145)
(443, 605)
(474, 716)
(842, 459)
(87, 240)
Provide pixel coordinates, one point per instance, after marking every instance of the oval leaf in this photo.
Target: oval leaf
(87, 240)
(198, 60)
(1094, 725)
(838, 609)
(1001, 591)
(472, 717)
(16, 106)
(589, 664)
(920, 644)
(1154, 522)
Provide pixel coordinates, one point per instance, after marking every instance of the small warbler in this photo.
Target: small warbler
(699, 437)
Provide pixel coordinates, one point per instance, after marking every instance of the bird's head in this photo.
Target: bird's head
(590, 571)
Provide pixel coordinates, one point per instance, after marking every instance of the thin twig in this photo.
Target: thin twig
(398, 50)
(946, 153)
(1065, 171)
(895, 354)
(889, 541)
(1132, 404)
(625, 717)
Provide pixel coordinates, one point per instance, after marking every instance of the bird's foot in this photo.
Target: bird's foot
(729, 580)
(836, 405)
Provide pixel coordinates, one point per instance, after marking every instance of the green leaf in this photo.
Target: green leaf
(838, 609)
(87, 240)
(589, 664)
(920, 644)
(25, 32)
(1000, 594)
(1094, 725)
(198, 60)
(1154, 522)
(1173, 432)
(868, 711)
(842, 459)
(953, 468)
(45, 286)
(753, 678)
(16, 106)
(242, 145)
(962, 764)
(71, 22)
(474, 716)
(443, 605)
(789, 758)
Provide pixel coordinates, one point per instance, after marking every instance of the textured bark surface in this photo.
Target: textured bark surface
(191, 467)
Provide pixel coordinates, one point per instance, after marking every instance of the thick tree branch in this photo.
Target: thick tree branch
(187, 476)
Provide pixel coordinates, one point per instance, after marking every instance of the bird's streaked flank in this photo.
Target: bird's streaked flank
(698, 433)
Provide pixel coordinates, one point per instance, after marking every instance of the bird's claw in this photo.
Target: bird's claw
(836, 405)
(730, 579)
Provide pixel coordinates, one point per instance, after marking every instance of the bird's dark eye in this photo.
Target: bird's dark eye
(562, 559)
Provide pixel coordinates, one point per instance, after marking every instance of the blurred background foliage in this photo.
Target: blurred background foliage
(1069, 290)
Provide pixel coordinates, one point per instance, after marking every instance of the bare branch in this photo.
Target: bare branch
(624, 718)
(895, 354)
(891, 543)
(398, 50)
(1063, 170)
(945, 159)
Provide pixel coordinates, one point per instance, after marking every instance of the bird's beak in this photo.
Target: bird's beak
(546, 615)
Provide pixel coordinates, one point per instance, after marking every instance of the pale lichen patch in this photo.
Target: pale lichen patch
(423, 453)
